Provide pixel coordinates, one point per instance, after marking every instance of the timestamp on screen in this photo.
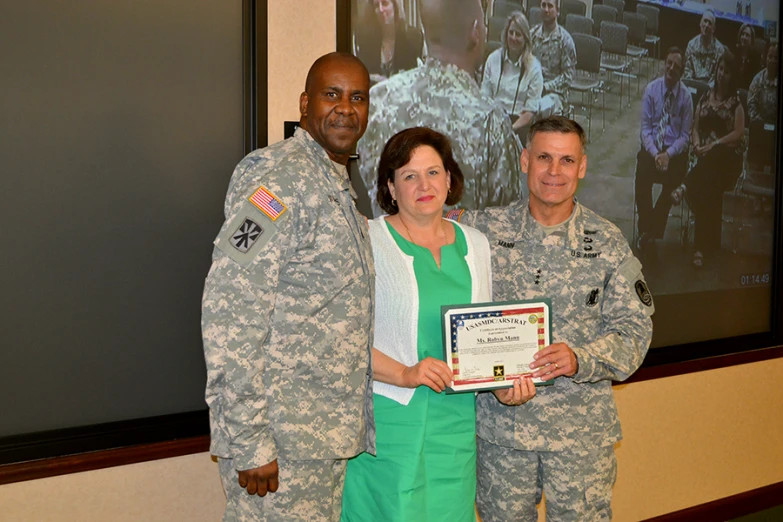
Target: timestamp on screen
(754, 279)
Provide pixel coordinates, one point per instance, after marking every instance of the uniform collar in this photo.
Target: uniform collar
(461, 77)
(541, 33)
(340, 176)
(572, 232)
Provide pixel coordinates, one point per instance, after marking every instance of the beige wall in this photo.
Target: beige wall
(699, 437)
(688, 439)
(299, 32)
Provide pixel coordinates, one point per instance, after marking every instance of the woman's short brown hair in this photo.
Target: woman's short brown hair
(397, 153)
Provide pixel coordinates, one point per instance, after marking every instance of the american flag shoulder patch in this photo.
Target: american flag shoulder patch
(455, 214)
(268, 203)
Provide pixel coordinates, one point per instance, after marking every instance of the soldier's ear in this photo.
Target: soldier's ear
(303, 99)
(524, 160)
(583, 166)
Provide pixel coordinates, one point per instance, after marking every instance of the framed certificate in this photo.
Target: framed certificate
(489, 345)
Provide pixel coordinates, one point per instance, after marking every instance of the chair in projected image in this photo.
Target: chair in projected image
(751, 206)
(697, 88)
(568, 7)
(652, 14)
(617, 4)
(490, 47)
(602, 13)
(503, 8)
(495, 28)
(637, 33)
(535, 16)
(614, 59)
(586, 80)
(577, 24)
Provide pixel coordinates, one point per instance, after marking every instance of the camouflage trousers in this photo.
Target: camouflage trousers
(310, 491)
(577, 483)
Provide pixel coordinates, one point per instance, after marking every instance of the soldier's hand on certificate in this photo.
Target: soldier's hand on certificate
(260, 480)
(522, 391)
(429, 372)
(553, 361)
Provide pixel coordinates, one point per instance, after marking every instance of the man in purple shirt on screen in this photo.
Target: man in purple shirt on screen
(667, 117)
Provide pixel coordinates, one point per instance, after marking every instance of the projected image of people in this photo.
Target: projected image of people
(384, 40)
(679, 101)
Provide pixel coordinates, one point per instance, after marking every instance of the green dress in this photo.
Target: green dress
(425, 468)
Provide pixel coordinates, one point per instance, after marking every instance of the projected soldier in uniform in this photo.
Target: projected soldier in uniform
(442, 94)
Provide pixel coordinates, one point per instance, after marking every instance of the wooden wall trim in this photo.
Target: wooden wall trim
(52, 467)
(700, 365)
(723, 509)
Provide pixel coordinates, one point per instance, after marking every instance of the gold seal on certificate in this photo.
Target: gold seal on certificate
(489, 345)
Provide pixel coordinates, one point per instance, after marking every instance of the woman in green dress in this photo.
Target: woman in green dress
(425, 463)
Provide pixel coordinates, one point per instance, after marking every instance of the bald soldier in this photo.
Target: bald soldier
(442, 94)
(703, 51)
(287, 313)
(562, 441)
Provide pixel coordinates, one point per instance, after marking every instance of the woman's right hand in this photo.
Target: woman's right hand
(429, 372)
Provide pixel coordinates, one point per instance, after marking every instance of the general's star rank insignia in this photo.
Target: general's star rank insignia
(246, 235)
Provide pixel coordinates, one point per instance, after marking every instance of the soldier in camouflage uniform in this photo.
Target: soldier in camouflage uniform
(561, 441)
(443, 95)
(287, 313)
(703, 51)
(555, 49)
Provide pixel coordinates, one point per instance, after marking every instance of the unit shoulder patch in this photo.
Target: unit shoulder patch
(246, 235)
(643, 292)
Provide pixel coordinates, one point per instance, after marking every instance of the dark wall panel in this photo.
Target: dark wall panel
(120, 123)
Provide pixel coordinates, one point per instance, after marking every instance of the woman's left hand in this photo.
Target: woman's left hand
(522, 391)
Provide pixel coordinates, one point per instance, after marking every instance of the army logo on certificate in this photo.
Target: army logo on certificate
(500, 373)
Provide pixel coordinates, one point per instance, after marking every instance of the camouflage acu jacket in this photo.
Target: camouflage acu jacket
(700, 61)
(600, 307)
(447, 99)
(557, 53)
(287, 312)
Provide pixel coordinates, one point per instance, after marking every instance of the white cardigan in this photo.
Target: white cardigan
(397, 297)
